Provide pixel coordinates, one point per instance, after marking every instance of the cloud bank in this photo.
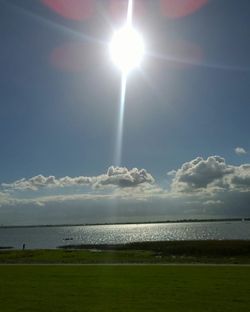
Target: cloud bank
(115, 176)
(201, 187)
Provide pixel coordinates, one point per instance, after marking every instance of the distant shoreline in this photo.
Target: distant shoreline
(128, 223)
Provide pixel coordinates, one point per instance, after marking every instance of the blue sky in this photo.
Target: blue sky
(59, 109)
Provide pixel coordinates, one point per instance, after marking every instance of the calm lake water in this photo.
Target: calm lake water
(52, 237)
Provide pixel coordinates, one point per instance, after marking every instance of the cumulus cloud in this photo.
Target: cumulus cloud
(211, 175)
(241, 177)
(123, 177)
(240, 151)
(41, 181)
(215, 188)
(199, 173)
(202, 187)
(115, 176)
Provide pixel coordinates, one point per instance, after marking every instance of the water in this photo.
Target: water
(52, 237)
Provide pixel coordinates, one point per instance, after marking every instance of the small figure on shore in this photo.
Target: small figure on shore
(23, 246)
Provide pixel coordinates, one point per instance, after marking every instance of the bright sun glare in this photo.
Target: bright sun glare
(127, 48)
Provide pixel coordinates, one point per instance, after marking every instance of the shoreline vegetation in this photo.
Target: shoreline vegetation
(128, 223)
(174, 252)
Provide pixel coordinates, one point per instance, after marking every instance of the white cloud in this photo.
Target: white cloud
(240, 151)
(41, 181)
(123, 177)
(211, 175)
(199, 173)
(115, 176)
(171, 173)
(199, 188)
(4, 199)
(212, 202)
(241, 177)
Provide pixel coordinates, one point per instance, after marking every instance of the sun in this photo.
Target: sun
(127, 48)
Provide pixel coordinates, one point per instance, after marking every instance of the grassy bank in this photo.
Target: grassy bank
(145, 252)
(124, 288)
(74, 256)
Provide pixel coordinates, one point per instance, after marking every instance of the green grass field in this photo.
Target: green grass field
(124, 288)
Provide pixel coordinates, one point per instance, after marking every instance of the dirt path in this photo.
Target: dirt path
(127, 264)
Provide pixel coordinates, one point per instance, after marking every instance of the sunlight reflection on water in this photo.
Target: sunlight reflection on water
(52, 237)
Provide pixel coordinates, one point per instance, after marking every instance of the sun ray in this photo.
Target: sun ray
(127, 50)
(130, 13)
(56, 26)
(119, 139)
(202, 64)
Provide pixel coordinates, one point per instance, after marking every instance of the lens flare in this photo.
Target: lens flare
(78, 10)
(181, 8)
